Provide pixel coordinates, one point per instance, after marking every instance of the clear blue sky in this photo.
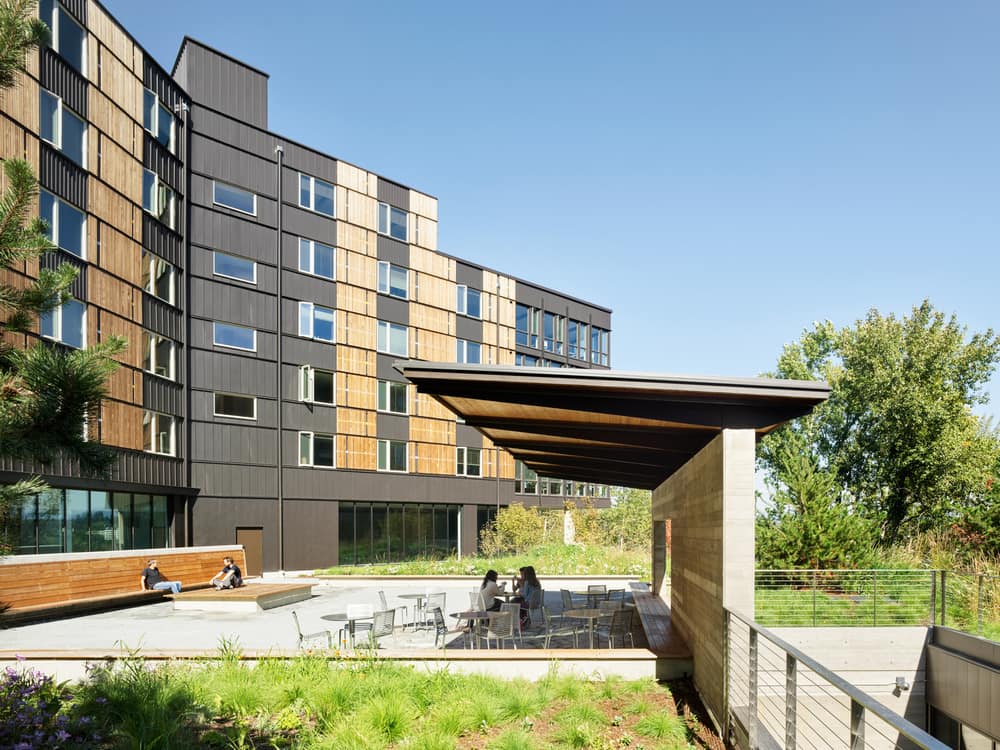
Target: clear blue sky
(719, 174)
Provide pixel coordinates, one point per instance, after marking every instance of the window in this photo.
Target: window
(315, 386)
(392, 455)
(552, 340)
(237, 407)
(315, 195)
(392, 221)
(158, 120)
(468, 302)
(526, 360)
(315, 450)
(66, 323)
(158, 433)
(468, 463)
(599, 345)
(392, 338)
(316, 322)
(158, 199)
(525, 480)
(233, 197)
(577, 340)
(526, 323)
(468, 351)
(158, 277)
(234, 337)
(158, 355)
(393, 280)
(233, 267)
(392, 397)
(62, 127)
(68, 37)
(67, 225)
(316, 258)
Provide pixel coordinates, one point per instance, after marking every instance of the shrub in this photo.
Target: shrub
(514, 529)
(35, 712)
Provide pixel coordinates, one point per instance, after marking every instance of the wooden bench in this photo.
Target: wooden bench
(251, 598)
(673, 657)
(39, 587)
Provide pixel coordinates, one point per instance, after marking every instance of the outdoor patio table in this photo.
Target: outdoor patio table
(349, 619)
(592, 597)
(591, 615)
(470, 615)
(419, 616)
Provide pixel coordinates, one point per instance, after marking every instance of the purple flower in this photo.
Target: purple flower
(19, 657)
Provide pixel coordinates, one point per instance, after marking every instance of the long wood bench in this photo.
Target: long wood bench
(251, 598)
(673, 657)
(38, 587)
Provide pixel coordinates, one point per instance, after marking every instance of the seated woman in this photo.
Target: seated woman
(489, 591)
(529, 589)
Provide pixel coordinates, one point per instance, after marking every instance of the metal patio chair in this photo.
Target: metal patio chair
(499, 627)
(556, 625)
(383, 624)
(305, 637)
(385, 605)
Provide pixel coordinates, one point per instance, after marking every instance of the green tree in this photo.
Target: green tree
(628, 523)
(46, 393)
(898, 434)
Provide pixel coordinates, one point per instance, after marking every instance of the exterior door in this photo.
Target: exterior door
(252, 540)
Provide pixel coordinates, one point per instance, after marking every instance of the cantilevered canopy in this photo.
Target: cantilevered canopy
(605, 426)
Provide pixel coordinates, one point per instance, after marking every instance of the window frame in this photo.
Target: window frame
(154, 418)
(216, 272)
(55, 26)
(388, 327)
(386, 386)
(150, 288)
(388, 455)
(462, 462)
(63, 111)
(462, 301)
(311, 270)
(55, 315)
(387, 287)
(385, 211)
(236, 189)
(311, 206)
(159, 189)
(215, 340)
(531, 333)
(307, 385)
(150, 350)
(462, 347)
(217, 413)
(312, 308)
(311, 436)
(55, 226)
(159, 108)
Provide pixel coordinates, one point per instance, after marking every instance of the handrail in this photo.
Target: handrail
(906, 728)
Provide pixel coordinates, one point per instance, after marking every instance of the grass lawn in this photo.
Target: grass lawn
(314, 703)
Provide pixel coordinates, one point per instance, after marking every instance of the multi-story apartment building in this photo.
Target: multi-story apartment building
(266, 289)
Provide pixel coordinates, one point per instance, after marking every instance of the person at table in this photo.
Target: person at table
(154, 578)
(528, 587)
(490, 592)
(230, 577)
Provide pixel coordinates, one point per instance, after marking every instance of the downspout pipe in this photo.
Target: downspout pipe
(279, 153)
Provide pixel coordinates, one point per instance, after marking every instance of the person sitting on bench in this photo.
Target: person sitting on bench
(230, 577)
(154, 578)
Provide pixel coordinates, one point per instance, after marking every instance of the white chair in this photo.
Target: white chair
(476, 600)
(535, 602)
(515, 612)
(433, 600)
(442, 631)
(555, 625)
(385, 606)
(383, 624)
(499, 627)
(306, 637)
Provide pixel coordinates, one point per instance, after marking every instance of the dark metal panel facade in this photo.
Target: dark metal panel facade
(309, 162)
(221, 231)
(218, 127)
(393, 251)
(223, 480)
(57, 76)
(77, 9)
(385, 370)
(240, 168)
(131, 468)
(216, 518)
(392, 427)
(222, 370)
(384, 486)
(306, 288)
(312, 532)
(162, 395)
(233, 444)
(393, 194)
(165, 164)
(160, 83)
(62, 177)
(232, 88)
(232, 304)
(55, 258)
(470, 276)
(310, 417)
(162, 318)
(162, 240)
(203, 408)
(393, 310)
(468, 436)
(470, 329)
(299, 222)
(299, 351)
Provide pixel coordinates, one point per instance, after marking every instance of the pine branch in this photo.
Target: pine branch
(20, 31)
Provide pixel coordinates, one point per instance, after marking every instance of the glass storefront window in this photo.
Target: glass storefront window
(78, 521)
(51, 521)
(363, 532)
(121, 510)
(101, 522)
(159, 526)
(380, 533)
(142, 521)
(346, 549)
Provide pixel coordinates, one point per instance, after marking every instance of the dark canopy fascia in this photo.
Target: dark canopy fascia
(605, 426)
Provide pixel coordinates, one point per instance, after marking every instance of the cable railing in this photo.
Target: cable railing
(879, 597)
(777, 697)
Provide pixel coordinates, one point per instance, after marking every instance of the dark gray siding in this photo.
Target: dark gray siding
(58, 77)
(468, 436)
(56, 258)
(232, 87)
(392, 427)
(471, 276)
(232, 373)
(60, 176)
(393, 251)
(312, 531)
(393, 194)
(162, 395)
(469, 329)
(165, 164)
(162, 318)
(393, 310)
(162, 241)
(131, 468)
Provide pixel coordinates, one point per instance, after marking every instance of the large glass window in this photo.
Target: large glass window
(553, 333)
(234, 267)
(392, 221)
(316, 385)
(392, 455)
(62, 127)
(392, 397)
(234, 197)
(158, 355)
(316, 322)
(392, 338)
(158, 277)
(317, 258)
(599, 352)
(159, 121)
(526, 360)
(67, 226)
(66, 323)
(468, 302)
(158, 198)
(69, 38)
(525, 480)
(159, 527)
(577, 340)
(316, 195)
(316, 450)
(142, 515)
(469, 462)
(77, 521)
(526, 322)
(234, 337)
(101, 522)
(393, 280)
(469, 352)
(158, 433)
(235, 406)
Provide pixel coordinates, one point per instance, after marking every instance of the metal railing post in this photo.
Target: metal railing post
(728, 624)
(857, 726)
(752, 707)
(874, 598)
(791, 701)
(944, 596)
(815, 589)
(979, 605)
(933, 597)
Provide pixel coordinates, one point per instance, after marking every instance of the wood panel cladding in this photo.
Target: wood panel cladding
(423, 430)
(429, 458)
(355, 330)
(113, 325)
(110, 293)
(423, 205)
(121, 85)
(354, 360)
(120, 170)
(107, 117)
(355, 452)
(357, 208)
(355, 422)
(113, 209)
(356, 391)
(356, 179)
(427, 261)
(357, 239)
(423, 405)
(103, 28)
(356, 300)
(21, 102)
(425, 232)
(12, 140)
(433, 290)
(121, 424)
(357, 269)
(431, 318)
(125, 384)
(431, 346)
(119, 253)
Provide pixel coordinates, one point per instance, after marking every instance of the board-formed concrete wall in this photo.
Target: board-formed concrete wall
(710, 505)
